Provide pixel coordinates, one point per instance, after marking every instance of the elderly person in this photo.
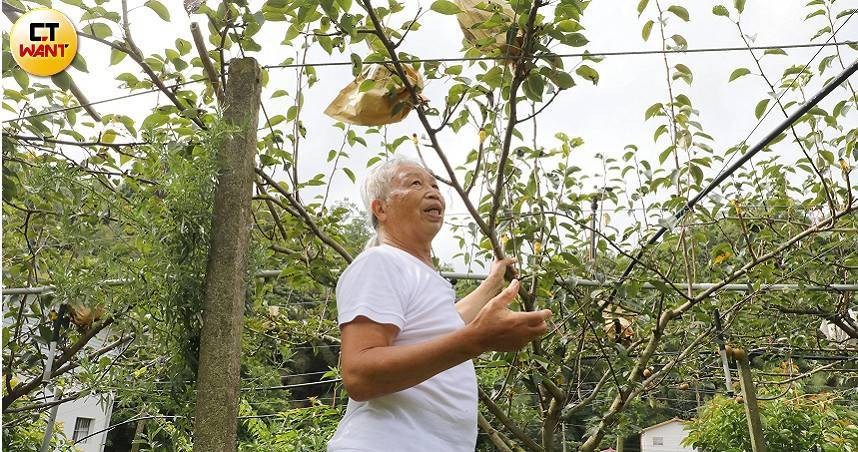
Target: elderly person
(407, 345)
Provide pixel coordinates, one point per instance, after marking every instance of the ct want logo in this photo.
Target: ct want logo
(43, 42)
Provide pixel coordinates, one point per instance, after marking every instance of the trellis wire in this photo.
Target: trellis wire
(572, 281)
(569, 55)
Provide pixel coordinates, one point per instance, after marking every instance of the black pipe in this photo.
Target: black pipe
(826, 90)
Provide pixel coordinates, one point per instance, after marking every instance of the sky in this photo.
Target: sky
(607, 117)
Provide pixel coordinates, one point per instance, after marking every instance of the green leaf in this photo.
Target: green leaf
(653, 110)
(453, 70)
(183, 46)
(116, 56)
(647, 29)
(350, 174)
(128, 78)
(660, 286)
(366, 85)
(10, 191)
(562, 79)
(568, 26)
(720, 10)
(739, 73)
(533, 87)
(155, 120)
(574, 40)
(276, 119)
(588, 73)
(99, 30)
(109, 136)
(685, 70)
(774, 52)
(159, 9)
(697, 174)
(21, 77)
(680, 12)
(445, 7)
(345, 5)
(357, 64)
(817, 111)
(79, 63)
(63, 80)
(761, 108)
(739, 4)
(642, 6)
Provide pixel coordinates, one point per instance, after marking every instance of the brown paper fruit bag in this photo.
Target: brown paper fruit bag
(485, 31)
(377, 104)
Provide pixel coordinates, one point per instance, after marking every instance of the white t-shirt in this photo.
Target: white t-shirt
(389, 285)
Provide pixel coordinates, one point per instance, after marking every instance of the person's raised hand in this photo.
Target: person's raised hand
(494, 281)
(498, 328)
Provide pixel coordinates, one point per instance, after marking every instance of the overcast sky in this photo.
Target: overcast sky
(608, 116)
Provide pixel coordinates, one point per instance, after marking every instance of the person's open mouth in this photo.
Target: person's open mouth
(434, 213)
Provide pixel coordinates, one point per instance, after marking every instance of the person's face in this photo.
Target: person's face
(414, 209)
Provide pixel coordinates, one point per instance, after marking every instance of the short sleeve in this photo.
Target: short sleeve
(371, 287)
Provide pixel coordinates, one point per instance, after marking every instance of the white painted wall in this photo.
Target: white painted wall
(97, 408)
(672, 434)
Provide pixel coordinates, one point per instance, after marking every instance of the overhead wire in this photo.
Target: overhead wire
(547, 56)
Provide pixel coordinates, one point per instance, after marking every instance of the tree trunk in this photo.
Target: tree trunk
(218, 376)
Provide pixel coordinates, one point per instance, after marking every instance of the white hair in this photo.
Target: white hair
(377, 186)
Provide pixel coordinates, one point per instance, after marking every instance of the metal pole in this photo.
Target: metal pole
(49, 429)
(594, 206)
(46, 377)
(722, 351)
(572, 280)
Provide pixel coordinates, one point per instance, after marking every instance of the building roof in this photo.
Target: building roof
(651, 427)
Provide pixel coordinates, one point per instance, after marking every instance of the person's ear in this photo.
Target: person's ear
(379, 209)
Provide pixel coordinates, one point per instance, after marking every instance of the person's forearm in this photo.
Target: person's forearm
(469, 306)
(380, 371)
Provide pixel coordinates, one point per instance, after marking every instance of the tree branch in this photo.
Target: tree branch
(200, 44)
(508, 423)
(308, 220)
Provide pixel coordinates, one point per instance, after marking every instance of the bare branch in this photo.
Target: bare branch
(200, 44)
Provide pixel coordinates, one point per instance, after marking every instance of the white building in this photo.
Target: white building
(834, 334)
(84, 417)
(665, 437)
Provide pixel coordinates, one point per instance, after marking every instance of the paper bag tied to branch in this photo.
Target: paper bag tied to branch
(486, 31)
(383, 101)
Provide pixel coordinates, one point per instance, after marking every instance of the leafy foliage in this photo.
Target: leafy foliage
(796, 422)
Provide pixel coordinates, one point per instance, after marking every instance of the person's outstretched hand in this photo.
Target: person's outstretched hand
(498, 328)
(494, 281)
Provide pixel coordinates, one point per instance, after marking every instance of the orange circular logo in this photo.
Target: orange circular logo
(43, 41)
